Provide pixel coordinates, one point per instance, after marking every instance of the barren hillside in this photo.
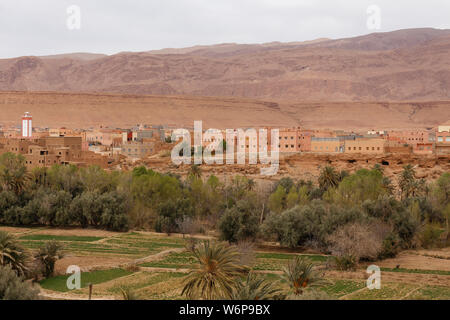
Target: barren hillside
(405, 65)
(89, 110)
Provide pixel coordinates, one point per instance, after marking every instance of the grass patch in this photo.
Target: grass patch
(48, 237)
(287, 256)
(276, 261)
(59, 283)
(153, 279)
(431, 293)
(341, 288)
(401, 270)
(390, 291)
(173, 261)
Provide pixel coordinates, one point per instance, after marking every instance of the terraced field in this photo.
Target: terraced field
(132, 245)
(153, 266)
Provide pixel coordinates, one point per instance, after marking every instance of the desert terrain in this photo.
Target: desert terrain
(84, 110)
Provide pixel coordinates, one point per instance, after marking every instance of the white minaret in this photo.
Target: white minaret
(27, 128)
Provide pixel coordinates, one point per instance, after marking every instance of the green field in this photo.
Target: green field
(134, 245)
(48, 237)
(59, 283)
(167, 284)
(420, 271)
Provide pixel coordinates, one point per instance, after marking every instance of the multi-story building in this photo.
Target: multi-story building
(290, 140)
(365, 145)
(443, 139)
(104, 136)
(48, 151)
(138, 150)
(411, 137)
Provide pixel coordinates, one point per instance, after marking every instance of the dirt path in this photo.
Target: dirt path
(52, 295)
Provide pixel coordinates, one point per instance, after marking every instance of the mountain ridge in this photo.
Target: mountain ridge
(403, 65)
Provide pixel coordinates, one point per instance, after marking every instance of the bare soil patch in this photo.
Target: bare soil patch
(414, 260)
(89, 263)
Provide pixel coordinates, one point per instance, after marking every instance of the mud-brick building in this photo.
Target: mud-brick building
(48, 151)
(443, 139)
(327, 145)
(290, 140)
(138, 150)
(423, 148)
(365, 146)
(411, 137)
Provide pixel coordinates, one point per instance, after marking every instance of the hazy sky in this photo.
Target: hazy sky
(39, 27)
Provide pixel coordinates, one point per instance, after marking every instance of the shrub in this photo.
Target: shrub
(353, 242)
(390, 246)
(308, 224)
(13, 287)
(169, 215)
(238, 223)
(48, 254)
(430, 235)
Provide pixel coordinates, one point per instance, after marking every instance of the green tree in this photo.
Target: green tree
(277, 200)
(238, 223)
(292, 199)
(358, 187)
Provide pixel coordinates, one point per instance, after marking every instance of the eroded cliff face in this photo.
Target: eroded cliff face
(307, 166)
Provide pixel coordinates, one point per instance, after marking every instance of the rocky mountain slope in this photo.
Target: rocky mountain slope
(405, 65)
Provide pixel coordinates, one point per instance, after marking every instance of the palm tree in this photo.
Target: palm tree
(213, 278)
(328, 178)
(128, 294)
(13, 172)
(409, 185)
(48, 255)
(299, 273)
(255, 288)
(12, 253)
(251, 184)
(195, 171)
